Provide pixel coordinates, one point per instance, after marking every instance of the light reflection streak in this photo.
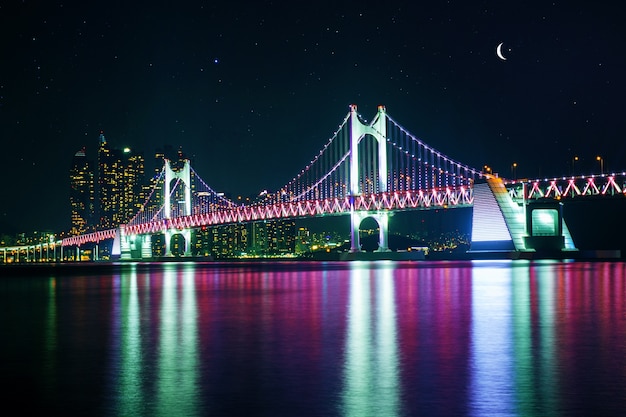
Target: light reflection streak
(371, 374)
(491, 361)
(177, 375)
(51, 344)
(522, 340)
(517, 338)
(131, 395)
(547, 381)
(387, 354)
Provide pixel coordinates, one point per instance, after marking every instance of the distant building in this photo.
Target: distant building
(133, 176)
(120, 184)
(272, 237)
(33, 238)
(303, 241)
(255, 239)
(153, 187)
(282, 237)
(82, 194)
(258, 241)
(219, 241)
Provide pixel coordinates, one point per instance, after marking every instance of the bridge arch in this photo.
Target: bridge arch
(184, 175)
(381, 218)
(185, 234)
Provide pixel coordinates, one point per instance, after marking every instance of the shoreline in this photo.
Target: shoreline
(95, 267)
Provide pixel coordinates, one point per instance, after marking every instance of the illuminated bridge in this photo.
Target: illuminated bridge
(365, 170)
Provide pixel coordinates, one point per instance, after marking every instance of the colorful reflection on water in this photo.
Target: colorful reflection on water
(510, 338)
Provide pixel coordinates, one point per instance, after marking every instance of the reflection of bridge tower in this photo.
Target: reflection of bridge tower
(358, 130)
(184, 175)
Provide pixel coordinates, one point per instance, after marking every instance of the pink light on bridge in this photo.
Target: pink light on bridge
(94, 237)
(332, 206)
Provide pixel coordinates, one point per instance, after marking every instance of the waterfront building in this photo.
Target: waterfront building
(120, 184)
(259, 239)
(219, 241)
(303, 241)
(282, 237)
(133, 193)
(272, 237)
(82, 194)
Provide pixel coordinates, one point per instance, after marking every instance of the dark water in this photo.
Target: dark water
(316, 339)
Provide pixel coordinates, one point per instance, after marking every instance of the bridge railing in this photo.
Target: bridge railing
(444, 197)
(89, 237)
(568, 187)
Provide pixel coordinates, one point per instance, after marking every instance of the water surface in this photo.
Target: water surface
(481, 338)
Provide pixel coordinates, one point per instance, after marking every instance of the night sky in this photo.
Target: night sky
(252, 90)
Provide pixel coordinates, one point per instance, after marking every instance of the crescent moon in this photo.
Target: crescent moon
(499, 52)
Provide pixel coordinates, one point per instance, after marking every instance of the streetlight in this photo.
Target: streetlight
(599, 158)
(574, 159)
(514, 170)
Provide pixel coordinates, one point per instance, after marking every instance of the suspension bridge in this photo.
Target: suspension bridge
(365, 170)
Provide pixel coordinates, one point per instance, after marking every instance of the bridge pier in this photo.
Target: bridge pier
(125, 247)
(168, 243)
(146, 246)
(383, 231)
(128, 244)
(185, 233)
(382, 218)
(355, 240)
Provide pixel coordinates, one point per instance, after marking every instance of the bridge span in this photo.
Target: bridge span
(365, 170)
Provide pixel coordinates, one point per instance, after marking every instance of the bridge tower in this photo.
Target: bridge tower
(358, 130)
(184, 175)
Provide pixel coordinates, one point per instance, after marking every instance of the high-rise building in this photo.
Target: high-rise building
(303, 241)
(153, 187)
(109, 189)
(271, 237)
(258, 239)
(281, 237)
(134, 195)
(120, 181)
(82, 194)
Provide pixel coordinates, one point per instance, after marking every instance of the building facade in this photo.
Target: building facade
(82, 194)
(120, 184)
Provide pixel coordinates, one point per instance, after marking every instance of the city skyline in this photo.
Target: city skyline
(251, 92)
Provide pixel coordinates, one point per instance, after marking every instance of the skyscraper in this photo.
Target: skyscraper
(120, 180)
(271, 237)
(132, 178)
(109, 188)
(82, 195)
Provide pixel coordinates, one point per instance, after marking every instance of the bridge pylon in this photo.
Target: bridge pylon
(358, 130)
(184, 175)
